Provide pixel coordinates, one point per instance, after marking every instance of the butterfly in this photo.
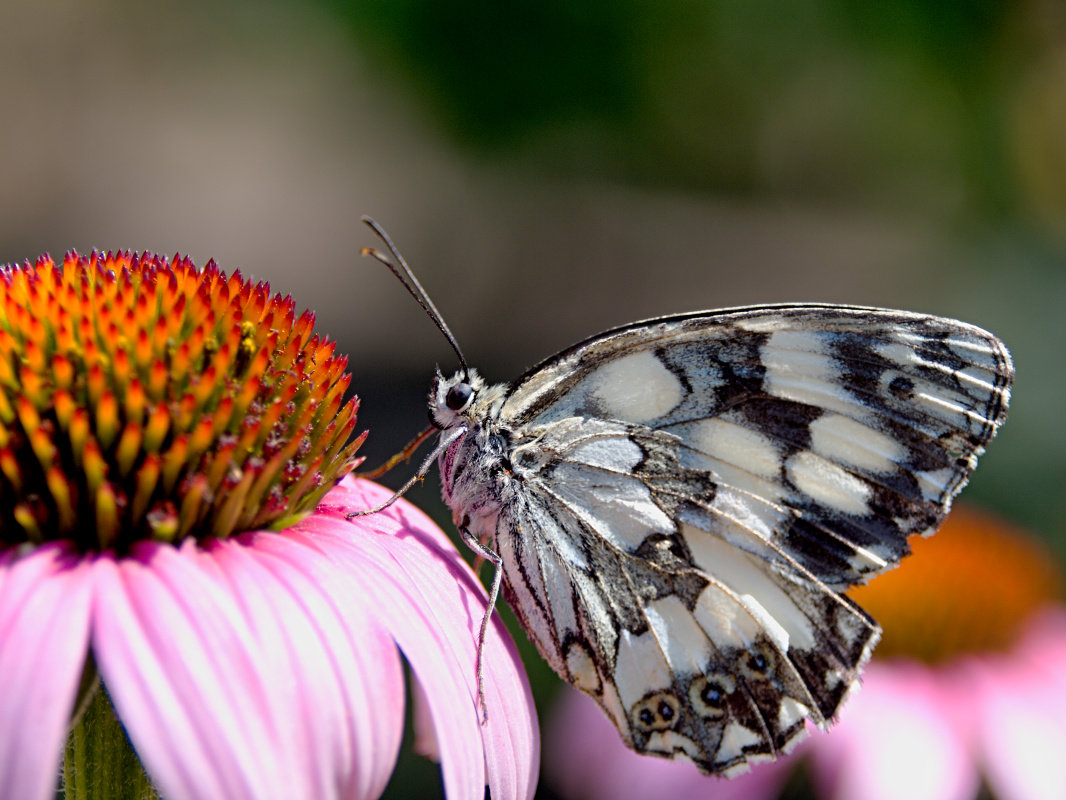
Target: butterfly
(676, 507)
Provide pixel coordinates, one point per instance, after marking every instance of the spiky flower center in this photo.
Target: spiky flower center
(143, 397)
(968, 589)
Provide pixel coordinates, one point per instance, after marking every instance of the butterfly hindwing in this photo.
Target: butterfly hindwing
(685, 639)
(678, 504)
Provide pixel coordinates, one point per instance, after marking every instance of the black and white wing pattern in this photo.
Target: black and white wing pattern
(678, 505)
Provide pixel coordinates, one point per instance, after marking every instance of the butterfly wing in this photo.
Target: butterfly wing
(699, 490)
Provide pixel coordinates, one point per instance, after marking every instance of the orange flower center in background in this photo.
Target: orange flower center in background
(967, 589)
(142, 397)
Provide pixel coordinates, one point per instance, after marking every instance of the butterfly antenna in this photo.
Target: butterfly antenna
(410, 282)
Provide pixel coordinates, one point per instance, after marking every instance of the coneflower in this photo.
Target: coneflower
(173, 451)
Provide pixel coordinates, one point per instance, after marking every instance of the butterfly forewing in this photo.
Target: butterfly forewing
(678, 505)
(865, 421)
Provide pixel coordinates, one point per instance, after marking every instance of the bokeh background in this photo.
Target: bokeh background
(551, 169)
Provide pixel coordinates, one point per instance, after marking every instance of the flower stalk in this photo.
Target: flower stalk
(99, 762)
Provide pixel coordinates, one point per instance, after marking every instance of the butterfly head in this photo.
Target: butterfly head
(451, 400)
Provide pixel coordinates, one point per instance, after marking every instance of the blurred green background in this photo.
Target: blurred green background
(552, 169)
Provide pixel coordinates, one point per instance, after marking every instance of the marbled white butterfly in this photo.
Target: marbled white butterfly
(676, 507)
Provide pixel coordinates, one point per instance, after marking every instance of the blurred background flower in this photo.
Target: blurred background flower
(966, 693)
(551, 169)
(968, 688)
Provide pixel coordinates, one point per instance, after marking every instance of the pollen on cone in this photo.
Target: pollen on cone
(142, 397)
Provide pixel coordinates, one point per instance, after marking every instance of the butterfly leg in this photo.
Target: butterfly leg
(423, 469)
(494, 593)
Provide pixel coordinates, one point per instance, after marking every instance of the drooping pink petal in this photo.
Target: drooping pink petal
(354, 684)
(44, 634)
(895, 739)
(219, 675)
(430, 601)
(402, 608)
(585, 759)
(180, 662)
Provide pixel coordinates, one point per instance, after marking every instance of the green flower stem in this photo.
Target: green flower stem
(99, 763)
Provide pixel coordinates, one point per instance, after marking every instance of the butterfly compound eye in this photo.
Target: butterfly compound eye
(458, 396)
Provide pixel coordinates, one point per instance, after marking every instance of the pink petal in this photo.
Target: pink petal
(431, 602)
(895, 739)
(1020, 708)
(44, 633)
(359, 688)
(179, 660)
(1044, 644)
(226, 685)
(585, 758)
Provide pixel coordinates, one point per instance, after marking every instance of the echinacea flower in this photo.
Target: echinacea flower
(171, 523)
(970, 688)
(966, 692)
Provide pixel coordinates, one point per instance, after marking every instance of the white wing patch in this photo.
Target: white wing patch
(619, 508)
(682, 640)
(932, 482)
(636, 388)
(735, 739)
(615, 453)
(798, 369)
(725, 621)
(742, 512)
(641, 667)
(736, 470)
(582, 670)
(854, 444)
(828, 483)
(756, 590)
(725, 441)
(792, 713)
